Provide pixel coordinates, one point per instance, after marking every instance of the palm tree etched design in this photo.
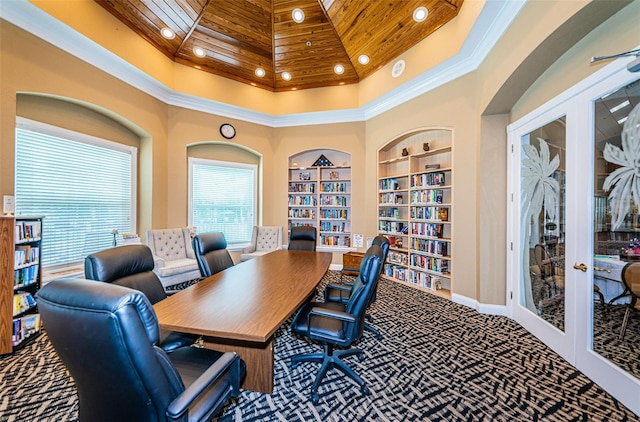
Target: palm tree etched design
(539, 189)
(624, 182)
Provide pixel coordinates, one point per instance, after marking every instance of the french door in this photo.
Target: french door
(573, 214)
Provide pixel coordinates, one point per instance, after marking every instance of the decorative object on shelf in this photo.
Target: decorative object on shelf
(432, 166)
(305, 175)
(425, 146)
(227, 130)
(334, 175)
(405, 152)
(323, 161)
(631, 252)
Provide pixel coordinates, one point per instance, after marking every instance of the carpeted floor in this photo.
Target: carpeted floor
(437, 361)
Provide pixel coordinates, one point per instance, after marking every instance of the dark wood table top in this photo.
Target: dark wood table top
(248, 301)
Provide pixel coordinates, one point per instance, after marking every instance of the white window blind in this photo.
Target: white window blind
(222, 198)
(83, 186)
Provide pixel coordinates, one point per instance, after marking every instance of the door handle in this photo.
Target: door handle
(582, 267)
(602, 269)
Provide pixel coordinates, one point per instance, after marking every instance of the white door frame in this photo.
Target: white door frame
(575, 344)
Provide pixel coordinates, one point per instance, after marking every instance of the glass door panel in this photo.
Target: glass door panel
(617, 228)
(543, 179)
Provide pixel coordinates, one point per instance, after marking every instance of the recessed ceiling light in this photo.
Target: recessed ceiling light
(420, 14)
(363, 59)
(260, 72)
(199, 51)
(286, 76)
(339, 69)
(167, 33)
(620, 106)
(297, 15)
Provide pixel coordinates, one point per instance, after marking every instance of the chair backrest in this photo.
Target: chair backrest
(363, 289)
(631, 277)
(170, 244)
(129, 266)
(543, 261)
(267, 238)
(126, 377)
(302, 238)
(383, 242)
(211, 253)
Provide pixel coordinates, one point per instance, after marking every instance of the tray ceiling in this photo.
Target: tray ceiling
(240, 36)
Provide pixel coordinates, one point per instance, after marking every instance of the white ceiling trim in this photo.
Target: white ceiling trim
(494, 19)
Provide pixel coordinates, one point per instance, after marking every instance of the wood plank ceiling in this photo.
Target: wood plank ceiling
(240, 36)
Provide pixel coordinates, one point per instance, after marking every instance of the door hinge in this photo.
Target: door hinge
(511, 295)
(511, 147)
(511, 245)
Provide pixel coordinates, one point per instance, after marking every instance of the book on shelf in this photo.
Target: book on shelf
(22, 301)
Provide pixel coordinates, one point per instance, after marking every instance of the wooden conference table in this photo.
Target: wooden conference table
(240, 308)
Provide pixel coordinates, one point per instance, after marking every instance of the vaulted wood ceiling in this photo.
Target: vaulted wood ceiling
(239, 36)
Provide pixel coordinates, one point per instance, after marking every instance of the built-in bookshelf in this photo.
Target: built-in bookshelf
(415, 209)
(21, 276)
(319, 195)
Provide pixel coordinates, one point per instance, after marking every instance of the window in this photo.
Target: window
(222, 197)
(83, 186)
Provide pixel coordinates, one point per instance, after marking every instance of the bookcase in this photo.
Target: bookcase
(21, 276)
(319, 195)
(415, 192)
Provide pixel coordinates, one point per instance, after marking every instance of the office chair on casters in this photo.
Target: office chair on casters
(106, 336)
(302, 238)
(211, 253)
(132, 266)
(339, 325)
(341, 293)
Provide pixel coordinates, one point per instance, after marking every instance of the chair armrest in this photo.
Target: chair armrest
(158, 262)
(336, 293)
(180, 405)
(330, 313)
(249, 249)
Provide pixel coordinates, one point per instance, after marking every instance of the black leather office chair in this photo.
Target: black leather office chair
(106, 334)
(302, 238)
(335, 324)
(132, 266)
(341, 293)
(211, 253)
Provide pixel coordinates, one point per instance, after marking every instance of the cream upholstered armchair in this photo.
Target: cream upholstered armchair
(264, 239)
(175, 261)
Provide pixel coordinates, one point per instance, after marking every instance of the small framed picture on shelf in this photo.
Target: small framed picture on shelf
(334, 175)
(305, 175)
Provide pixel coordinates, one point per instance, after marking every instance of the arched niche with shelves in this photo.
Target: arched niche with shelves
(415, 208)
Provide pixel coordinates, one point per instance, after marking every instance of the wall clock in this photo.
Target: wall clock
(227, 130)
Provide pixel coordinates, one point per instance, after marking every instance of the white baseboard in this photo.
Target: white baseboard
(483, 308)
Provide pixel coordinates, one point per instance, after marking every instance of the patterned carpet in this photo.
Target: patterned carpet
(437, 361)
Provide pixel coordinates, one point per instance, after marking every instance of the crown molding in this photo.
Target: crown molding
(494, 19)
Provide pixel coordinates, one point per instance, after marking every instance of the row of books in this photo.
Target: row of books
(438, 265)
(302, 213)
(331, 226)
(391, 198)
(339, 240)
(302, 187)
(430, 213)
(429, 196)
(305, 200)
(389, 212)
(397, 272)
(26, 255)
(427, 229)
(334, 187)
(392, 226)
(427, 179)
(26, 276)
(398, 258)
(425, 280)
(27, 231)
(342, 214)
(25, 327)
(22, 301)
(435, 247)
(339, 201)
(389, 184)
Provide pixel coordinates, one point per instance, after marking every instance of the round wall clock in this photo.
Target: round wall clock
(227, 130)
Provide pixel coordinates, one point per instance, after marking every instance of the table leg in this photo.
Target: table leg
(257, 356)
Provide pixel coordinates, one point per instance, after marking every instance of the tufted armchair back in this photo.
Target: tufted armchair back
(170, 244)
(268, 238)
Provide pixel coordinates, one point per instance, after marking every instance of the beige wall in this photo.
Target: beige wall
(168, 133)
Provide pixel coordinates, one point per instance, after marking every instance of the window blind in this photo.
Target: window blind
(223, 198)
(83, 186)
